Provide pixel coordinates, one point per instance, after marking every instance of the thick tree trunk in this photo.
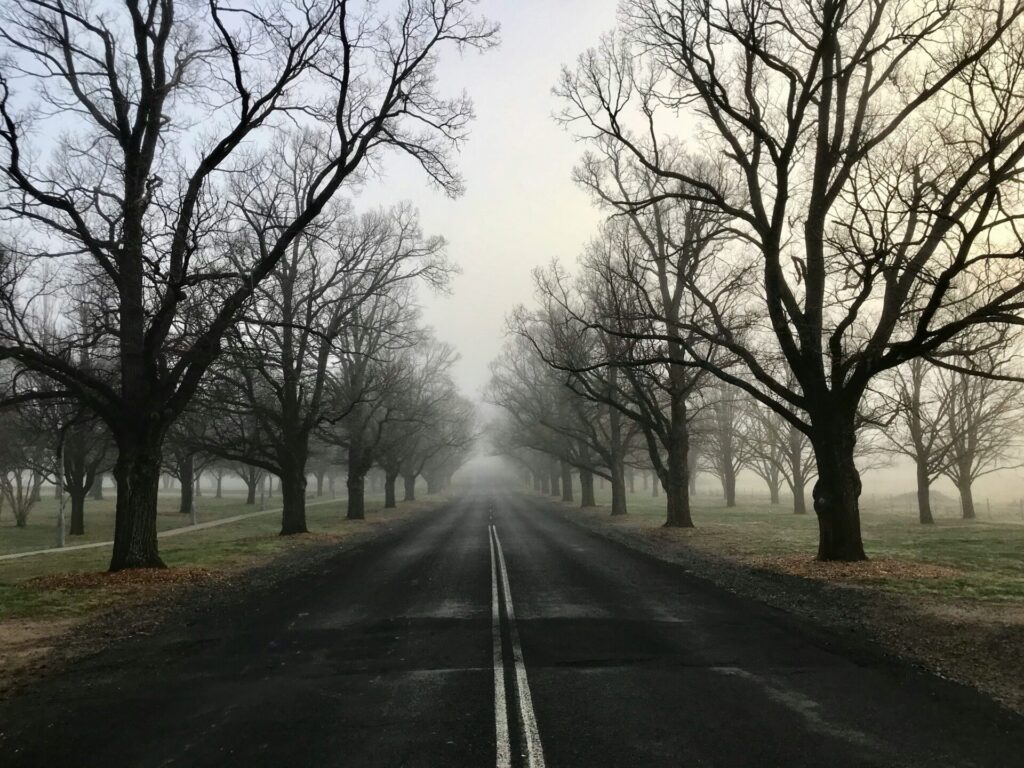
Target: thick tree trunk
(355, 482)
(837, 491)
(799, 502)
(187, 477)
(77, 495)
(967, 500)
(434, 484)
(390, 479)
(250, 494)
(553, 474)
(677, 470)
(409, 481)
(319, 485)
(545, 483)
(924, 502)
(566, 482)
(198, 483)
(773, 491)
(729, 485)
(97, 487)
(587, 489)
(138, 481)
(293, 501)
(618, 489)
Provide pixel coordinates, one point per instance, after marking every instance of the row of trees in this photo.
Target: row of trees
(175, 235)
(801, 198)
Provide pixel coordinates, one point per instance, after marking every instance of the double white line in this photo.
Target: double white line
(528, 734)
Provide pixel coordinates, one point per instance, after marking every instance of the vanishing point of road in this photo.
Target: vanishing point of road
(495, 632)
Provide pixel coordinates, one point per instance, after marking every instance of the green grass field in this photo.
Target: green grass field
(987, 554)
(224, 547)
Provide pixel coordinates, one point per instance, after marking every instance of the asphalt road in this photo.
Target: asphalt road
(537, 644)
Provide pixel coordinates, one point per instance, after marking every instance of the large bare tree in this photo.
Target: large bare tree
(869, 156)
(120, 125)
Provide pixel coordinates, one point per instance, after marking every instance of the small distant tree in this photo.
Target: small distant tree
(982, 425)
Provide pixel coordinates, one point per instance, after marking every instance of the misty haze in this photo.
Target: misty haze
(527, 383)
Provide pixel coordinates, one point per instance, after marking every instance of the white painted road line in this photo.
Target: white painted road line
(504, 747)
(530, 734)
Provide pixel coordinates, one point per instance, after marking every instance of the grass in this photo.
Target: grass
(41, 531)
(25, 593)
(987, 555)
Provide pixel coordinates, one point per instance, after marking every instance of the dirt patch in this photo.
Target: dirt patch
(126, 580)
(26, 646)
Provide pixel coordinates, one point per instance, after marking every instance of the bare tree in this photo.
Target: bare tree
(918, 429)
(870, 202)
(982, 427)
(130, 196)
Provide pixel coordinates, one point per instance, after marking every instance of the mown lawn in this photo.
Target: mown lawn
(987, 554)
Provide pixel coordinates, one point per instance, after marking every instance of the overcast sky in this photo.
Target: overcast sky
(520, 208)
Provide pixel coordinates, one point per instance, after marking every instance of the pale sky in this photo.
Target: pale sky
(520, 208)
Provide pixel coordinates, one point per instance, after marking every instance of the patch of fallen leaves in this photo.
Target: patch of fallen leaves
(876, 569)
(141, 577)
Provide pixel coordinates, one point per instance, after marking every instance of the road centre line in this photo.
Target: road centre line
(504, 754)
(531, 734)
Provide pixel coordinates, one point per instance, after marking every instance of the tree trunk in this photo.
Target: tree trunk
(409, 481)
(587, 489)
(566, 482)
(187, 477)
(97, 487)
(250, 494)
(555, 477)
(631, 480)
(536, 482)
(220, 487)
(355, 482)
(773, 491)
(77, 495)
(677, 470)
(390, 479)
(198, 483)
(655, 482)
(293, 500)
(967, 500)
(319, 484)
(837, 491)
(137, 473)
(545, 483)
(799, 503)
(729, 484)
(618, 489)
(924, 502)
(434, 484)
